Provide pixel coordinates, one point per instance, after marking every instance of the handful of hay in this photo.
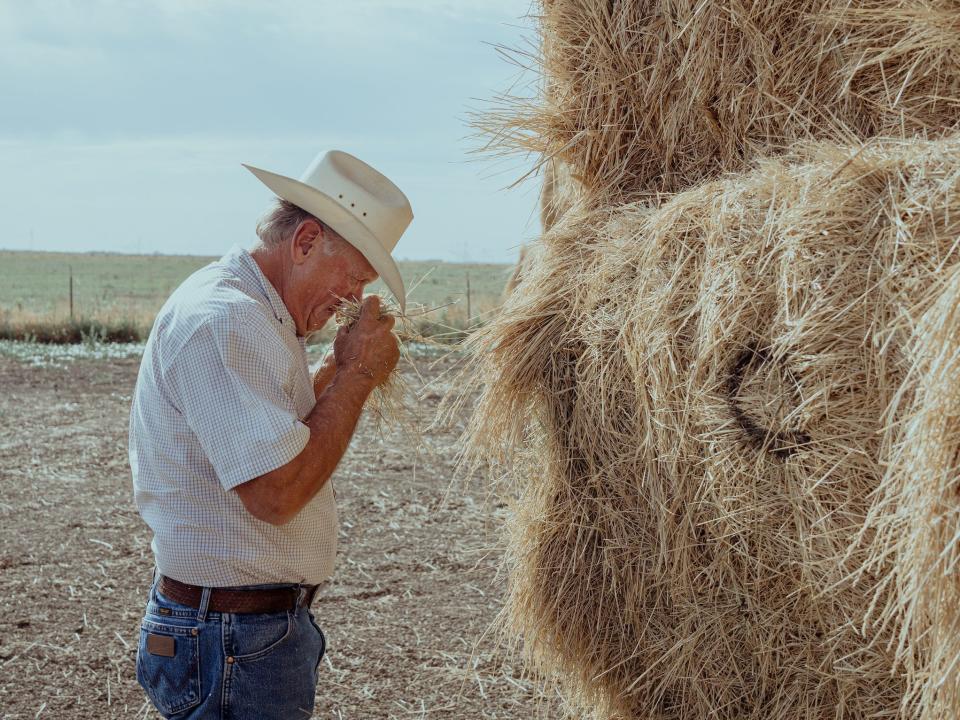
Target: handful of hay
(733, 426)
(387, 401)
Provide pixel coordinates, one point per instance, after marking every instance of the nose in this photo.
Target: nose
(356, 292)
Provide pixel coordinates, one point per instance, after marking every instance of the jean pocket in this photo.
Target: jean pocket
(256, 635)
(168, 666)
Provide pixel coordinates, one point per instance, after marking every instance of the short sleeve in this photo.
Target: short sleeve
(228, 381)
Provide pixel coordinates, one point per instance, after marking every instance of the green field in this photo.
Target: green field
(125, 291)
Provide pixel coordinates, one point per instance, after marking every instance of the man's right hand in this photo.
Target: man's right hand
(364, 356)
(369, 345)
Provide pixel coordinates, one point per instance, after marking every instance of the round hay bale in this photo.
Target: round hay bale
(732, 426)
(646, 97)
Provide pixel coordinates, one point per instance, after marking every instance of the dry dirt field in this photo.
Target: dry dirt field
(406, 614)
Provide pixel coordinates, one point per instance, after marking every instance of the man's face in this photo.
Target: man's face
(332, 270)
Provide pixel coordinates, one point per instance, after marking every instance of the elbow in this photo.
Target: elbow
(275, 510)
(284, 509)
(266, 503)
(276, 517)
(274, 499)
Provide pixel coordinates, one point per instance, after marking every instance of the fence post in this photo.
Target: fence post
(71, 292)
(469, 313)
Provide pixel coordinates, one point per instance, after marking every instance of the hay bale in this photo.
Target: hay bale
(919, 516)
(517, 274)
(558, 193)
(732, 428)
(644, 97)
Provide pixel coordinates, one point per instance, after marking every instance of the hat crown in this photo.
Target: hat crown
(360, 204)
(368, 195)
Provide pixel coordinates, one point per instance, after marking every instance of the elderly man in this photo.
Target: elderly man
(232, 444)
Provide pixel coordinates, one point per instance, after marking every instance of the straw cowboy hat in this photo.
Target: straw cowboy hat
(361, 205)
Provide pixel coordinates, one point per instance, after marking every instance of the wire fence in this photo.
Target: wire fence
(39, 289)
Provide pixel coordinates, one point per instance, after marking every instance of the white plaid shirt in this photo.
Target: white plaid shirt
(222, 390)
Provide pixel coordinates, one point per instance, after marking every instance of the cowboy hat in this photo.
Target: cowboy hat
(361, 205)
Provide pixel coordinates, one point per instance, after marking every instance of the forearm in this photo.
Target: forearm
(332, 423)
(280, 495)
(364, 355)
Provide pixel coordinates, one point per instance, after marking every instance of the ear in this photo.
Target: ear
(306, 240)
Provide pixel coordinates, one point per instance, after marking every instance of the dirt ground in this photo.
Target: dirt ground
(406, 614)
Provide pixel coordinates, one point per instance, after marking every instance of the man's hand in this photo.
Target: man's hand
(369, 346)
(363, 357)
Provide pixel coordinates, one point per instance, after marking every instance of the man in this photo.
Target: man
(232, 444)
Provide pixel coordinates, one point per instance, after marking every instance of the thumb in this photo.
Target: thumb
(338, 340)
(371, 308)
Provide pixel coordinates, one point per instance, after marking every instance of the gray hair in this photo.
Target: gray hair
(279, 222)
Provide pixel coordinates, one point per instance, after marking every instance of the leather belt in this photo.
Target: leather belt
(238, 601)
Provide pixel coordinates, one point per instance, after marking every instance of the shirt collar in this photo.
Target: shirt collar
(280, 311)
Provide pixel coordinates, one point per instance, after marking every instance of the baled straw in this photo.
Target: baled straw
(732, 427)
(645, 97)
(918, 517)
(558, 194)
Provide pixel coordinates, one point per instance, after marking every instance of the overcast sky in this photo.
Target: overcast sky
(123, 123)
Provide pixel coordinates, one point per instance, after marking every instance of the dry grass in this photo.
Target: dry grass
(918, 516)
(393, 401)
(388, 400)
(733, 441)
(114, 291)
(66, 331)
(728, 402)
(648, 97)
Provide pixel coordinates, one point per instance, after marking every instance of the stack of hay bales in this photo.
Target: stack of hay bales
(728, 386)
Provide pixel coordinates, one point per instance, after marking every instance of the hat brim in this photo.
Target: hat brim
(343, 223)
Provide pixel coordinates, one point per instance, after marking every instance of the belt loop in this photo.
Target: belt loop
(301, 594)
(204, 605)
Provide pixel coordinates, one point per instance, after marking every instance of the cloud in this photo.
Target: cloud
(190, 195)
(78, 22)
(143, 68)
(127, 109)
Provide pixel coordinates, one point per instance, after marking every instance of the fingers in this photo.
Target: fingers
(372, 312)
(370, 308)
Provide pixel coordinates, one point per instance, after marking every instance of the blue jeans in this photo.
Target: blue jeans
(195, 664)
